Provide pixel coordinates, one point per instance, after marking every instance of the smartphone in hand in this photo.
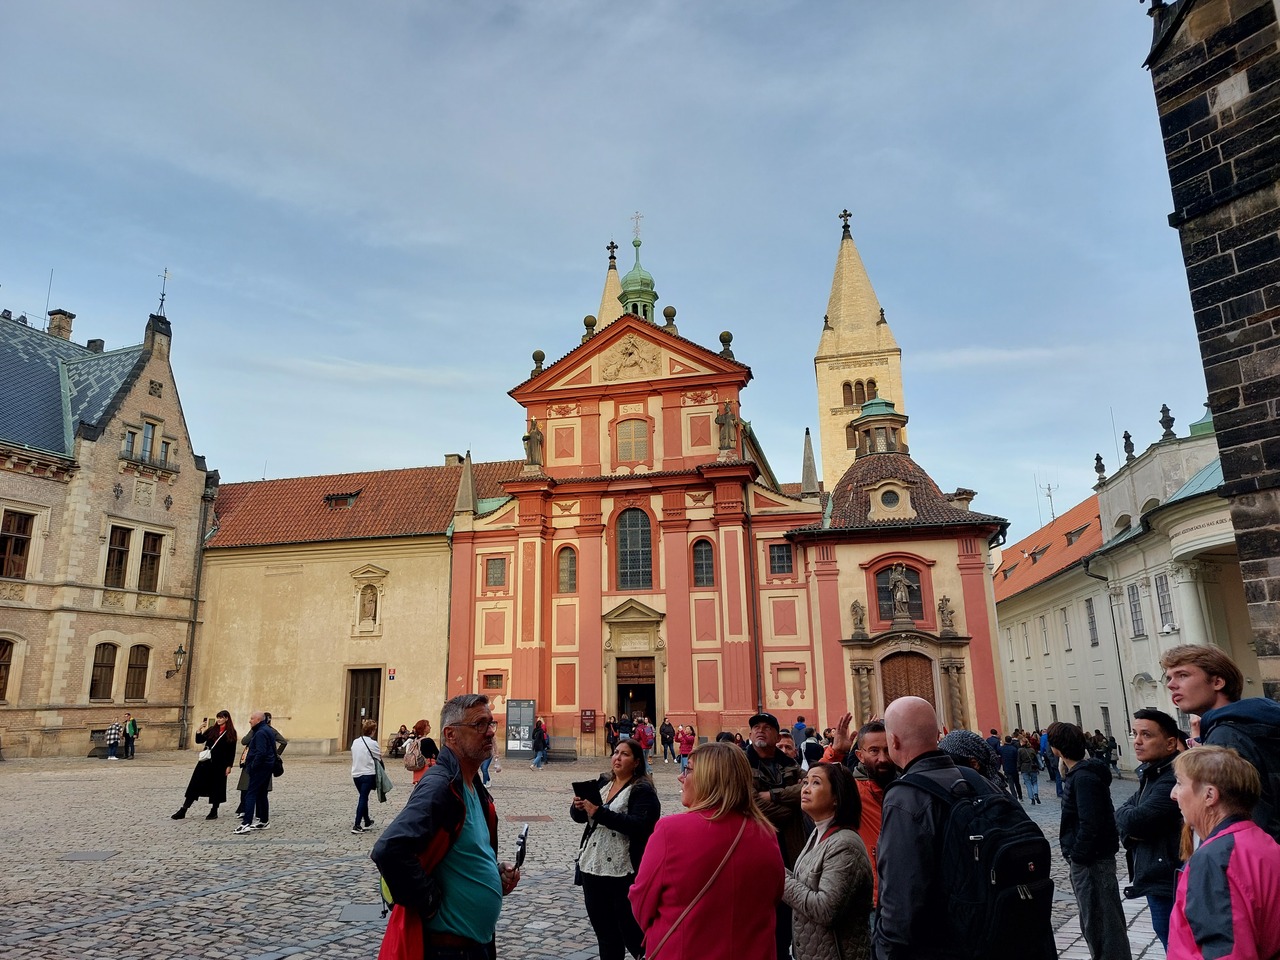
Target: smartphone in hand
(522, 842)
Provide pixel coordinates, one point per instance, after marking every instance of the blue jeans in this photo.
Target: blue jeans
(1032, 782)
(539, 758)
(484, 771)
(364, 784)
(256, 797)
(668, 750)
(112, 750)
(1161, 908)
(684, 763)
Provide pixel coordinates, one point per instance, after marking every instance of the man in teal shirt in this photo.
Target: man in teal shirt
(439, 856)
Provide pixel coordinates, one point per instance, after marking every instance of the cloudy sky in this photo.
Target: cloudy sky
(373, 213)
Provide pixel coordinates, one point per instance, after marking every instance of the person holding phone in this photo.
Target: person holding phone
(620, 815)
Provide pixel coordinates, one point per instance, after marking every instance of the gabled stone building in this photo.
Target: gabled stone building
(101, 508)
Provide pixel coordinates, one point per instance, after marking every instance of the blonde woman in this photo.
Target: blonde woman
(710, 878)
(365, 755)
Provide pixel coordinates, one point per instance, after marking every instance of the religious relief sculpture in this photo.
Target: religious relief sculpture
(728, 424)
(859, 613)
(533, 444)
(901, 587)
(946, 617)
(369, 604)
(631, 359)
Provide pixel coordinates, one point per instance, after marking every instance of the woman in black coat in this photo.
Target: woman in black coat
(612, 845)
(209, 779)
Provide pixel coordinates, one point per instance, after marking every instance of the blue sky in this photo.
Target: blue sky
(372, 214)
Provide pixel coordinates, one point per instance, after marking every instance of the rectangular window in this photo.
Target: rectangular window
(1044, 636)
(1135, 611)
(1026, 645)
(492, 681)
(149, 571)
(15, 543)
(781, 559)
(1106, 720)
(1017, 709)
(1008, 639)
(135, 678)
(1066, 630)
(495, 572)
(104, 671)
(1053, 712)
(1035, 715)
(633, 440)
(1079, 721)
(1093, 621)
(1164, 600)
(130, 446)
(117, 556)
(164, 451)
(148, 440)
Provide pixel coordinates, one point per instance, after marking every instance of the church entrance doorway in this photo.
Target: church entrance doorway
(907, 675)
(364, 689)
(637, 689)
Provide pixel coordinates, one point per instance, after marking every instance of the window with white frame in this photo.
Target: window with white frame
(1044, 637)
(1135, 611)
(1066, 629)
(1026, 644)
(1092, 619)
(1164, 601)
(1008, 640)
(1017, 709)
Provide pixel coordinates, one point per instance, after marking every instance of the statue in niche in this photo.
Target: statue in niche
(901, 589)
(728, 424)
(859, 617)
(533, 445)
(369, 603)
(946, 615)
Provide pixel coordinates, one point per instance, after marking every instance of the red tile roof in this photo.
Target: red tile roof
(1046, 553)
(391, 503)
(852, 498)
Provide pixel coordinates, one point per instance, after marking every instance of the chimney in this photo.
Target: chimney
(95, 346)
(453, 459)
(961, 498)
(60, 323)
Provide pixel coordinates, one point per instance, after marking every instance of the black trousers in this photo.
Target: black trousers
(782, 932)
(610, 914)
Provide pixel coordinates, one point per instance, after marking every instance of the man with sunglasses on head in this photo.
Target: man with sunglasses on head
(439, 856)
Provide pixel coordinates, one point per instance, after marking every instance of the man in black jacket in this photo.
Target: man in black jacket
(1089, 844)
(1149, 822)
(259, 762)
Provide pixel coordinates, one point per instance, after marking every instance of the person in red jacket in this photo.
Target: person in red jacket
(1225, 906)
(710, 877)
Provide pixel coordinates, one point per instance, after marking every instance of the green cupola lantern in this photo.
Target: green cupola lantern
(638, 296)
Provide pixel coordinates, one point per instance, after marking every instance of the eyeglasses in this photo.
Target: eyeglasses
(480, 726)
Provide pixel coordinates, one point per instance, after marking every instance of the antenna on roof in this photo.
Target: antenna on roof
(48, 294)
(164, 282)
(1048, 492)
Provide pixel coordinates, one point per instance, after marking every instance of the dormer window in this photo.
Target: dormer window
(1074, 535)
(341, 501)
(890, 500)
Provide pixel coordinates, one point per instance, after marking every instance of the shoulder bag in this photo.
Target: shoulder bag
(707, 886)
(383, 779)
(207, 752)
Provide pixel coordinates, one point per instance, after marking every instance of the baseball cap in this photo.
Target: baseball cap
(768, 718)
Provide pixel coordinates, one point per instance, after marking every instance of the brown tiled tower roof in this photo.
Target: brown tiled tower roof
(851, 502)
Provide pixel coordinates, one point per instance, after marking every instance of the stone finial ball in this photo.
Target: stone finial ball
(589, 322)
(538, 356)
(726, 338)
(669, 312)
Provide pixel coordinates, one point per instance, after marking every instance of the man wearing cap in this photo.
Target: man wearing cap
(777, 783)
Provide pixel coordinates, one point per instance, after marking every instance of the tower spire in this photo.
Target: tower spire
(638, 295)
(611, 300)
(809, 470)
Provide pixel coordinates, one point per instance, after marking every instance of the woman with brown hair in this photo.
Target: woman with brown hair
(618, 828)
(829, 890)
(710, 877)
(209, 779)
(421, 753)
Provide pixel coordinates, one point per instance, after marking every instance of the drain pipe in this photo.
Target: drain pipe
(206, 501)
(753, 610)
(1115, 632)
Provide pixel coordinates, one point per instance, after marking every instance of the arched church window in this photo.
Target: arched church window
(704, 566)
(848, 394)
(859, 393)
(567, 570)
(135, 679)
(633, 440)
(872, 393)
(899, 586)
(635, 550)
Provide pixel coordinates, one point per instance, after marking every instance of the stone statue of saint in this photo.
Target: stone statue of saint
(946, 616)
(728, 424)
(369, 603)
(901, 588)
(533, 444)
(859, 617)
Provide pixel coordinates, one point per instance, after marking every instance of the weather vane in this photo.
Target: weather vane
(637, 218)
(164, 280)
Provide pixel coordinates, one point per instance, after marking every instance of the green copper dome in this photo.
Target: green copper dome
(638, 295)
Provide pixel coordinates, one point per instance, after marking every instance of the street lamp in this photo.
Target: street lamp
(179, 658)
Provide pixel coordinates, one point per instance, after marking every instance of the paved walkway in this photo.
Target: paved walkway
(96, 870)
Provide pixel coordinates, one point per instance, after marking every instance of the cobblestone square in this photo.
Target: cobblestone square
(96, 869)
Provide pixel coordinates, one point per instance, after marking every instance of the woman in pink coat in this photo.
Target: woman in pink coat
(685, 913)
(1225, 905)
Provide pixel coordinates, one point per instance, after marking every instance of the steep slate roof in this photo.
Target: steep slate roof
(851, 503)
(1051, 552)
(391, 503)
(49, 385)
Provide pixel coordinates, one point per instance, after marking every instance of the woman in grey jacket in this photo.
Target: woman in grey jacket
(830, 888)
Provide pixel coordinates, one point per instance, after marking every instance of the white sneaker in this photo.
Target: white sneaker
(113, 758)
(261, 825)
(243, 828)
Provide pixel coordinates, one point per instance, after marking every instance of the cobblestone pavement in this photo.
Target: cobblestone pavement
(96, 870)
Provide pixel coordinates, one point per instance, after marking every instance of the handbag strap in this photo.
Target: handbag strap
(707, 886)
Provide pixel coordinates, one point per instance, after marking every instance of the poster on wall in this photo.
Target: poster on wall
(520, 717)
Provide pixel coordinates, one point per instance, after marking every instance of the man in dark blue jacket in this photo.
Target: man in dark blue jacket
(1149, 822)
(1089, 843)
(260, 761)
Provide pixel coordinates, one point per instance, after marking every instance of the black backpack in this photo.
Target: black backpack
(994, 864)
